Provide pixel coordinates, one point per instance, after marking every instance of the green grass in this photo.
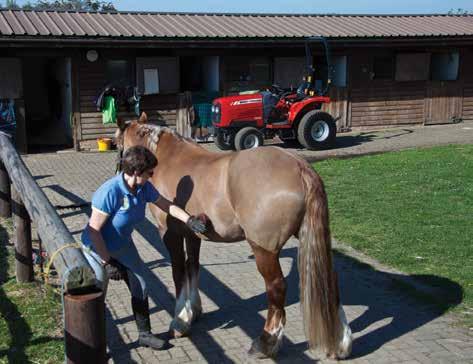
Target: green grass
(30, 314)
(412, 210)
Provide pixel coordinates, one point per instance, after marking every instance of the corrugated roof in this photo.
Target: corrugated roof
(131, 25)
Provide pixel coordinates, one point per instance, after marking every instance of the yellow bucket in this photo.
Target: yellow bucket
(104, 144)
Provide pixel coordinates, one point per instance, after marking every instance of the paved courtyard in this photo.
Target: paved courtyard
(389, 326)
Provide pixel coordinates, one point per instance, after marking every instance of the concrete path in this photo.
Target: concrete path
(389, 325)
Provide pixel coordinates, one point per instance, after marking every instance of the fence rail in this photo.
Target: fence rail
(84, 317)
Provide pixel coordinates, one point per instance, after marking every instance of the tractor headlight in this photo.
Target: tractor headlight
(215, 113)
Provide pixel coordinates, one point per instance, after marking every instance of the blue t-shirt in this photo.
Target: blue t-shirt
(124, 210)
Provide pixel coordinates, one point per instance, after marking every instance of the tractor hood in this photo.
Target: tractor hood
(236, 100)
(238, 111)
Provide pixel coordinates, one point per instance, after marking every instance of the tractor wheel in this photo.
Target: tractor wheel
(224, 142)
(317, 130)
(248, 138)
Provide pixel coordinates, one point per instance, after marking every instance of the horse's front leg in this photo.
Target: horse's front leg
(268, 344)
(185, 275)
(175, 245)
(192, 270)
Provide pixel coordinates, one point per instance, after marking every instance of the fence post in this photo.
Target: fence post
(23, 247)
(5, 192)
(84, 328)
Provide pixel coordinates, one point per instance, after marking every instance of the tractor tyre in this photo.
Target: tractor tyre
(317, 130)
(224, 143)
(248, 138)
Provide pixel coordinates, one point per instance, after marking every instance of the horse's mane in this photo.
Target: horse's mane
(153, 132)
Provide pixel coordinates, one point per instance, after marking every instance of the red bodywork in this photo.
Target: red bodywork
(247, 110)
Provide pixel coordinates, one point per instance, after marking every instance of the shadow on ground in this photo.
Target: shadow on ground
(352, 140)
(377, 292)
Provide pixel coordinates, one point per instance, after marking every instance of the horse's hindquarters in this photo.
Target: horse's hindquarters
(267, 195)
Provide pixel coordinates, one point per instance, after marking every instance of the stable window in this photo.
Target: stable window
(383, 68)
(156, 75)
(247, 73)
(412, 67)
(288, 71)
(339, 71)
(118, 72)
(151, 81)
(444, 66)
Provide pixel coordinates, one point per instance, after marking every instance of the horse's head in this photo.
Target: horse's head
(139, 132)
(128, 133)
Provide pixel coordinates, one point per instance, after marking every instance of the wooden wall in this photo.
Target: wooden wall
(467, 76)
(387, 104)
(365, 103)
(339, 106)
(467, 107)
(161, 109)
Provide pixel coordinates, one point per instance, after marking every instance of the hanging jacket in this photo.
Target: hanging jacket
(109, 110)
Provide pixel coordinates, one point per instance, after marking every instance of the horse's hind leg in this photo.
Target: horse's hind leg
(267, 345)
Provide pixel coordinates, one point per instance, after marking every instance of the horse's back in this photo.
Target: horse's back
(266, 191)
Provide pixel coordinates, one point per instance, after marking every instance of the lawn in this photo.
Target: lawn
(30, 314)
(411, 210)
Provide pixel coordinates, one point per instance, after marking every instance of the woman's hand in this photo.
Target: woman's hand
(115, 269)
(196, 224)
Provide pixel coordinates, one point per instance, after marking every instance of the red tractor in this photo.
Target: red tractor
(244, 121)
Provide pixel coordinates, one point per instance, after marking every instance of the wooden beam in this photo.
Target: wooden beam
(76, 122)
(23, 246)
(5, 192)
(70, 263)
(84, 327)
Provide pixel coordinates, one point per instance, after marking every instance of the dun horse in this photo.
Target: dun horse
(264, 196)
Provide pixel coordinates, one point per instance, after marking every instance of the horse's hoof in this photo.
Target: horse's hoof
(256, 351)
(179, 329)
(176, 334)
(332, 356)
(265, 346)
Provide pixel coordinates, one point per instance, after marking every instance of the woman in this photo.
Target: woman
(117, 206)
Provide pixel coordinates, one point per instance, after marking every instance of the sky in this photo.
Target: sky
(294, 6)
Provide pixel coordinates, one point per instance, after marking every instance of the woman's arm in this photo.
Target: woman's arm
(96, 222)
(194, 223)
(171, 209)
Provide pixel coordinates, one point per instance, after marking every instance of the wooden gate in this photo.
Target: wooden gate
(443, 102)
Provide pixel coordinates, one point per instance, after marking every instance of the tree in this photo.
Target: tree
(72, 5)
(11, 4)
(458, 11)
(75, 5)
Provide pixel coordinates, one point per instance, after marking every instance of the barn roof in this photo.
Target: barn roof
(169, 26)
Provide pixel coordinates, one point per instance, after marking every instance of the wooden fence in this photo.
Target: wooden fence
(83, 303)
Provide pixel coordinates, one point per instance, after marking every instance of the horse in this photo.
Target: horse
(228, 189)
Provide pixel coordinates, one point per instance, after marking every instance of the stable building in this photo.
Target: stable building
(389, 70)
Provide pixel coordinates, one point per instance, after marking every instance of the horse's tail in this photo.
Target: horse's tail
(318, 282)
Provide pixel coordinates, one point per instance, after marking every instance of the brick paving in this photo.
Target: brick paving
(389, 326)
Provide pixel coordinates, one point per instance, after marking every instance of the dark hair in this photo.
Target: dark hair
(138, 159)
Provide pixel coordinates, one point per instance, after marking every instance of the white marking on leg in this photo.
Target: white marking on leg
(344, 349)
(183, 310)
(277, 331)
(195, 302)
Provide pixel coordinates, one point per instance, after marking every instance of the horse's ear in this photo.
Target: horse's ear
(143, 118)
(121, 124)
